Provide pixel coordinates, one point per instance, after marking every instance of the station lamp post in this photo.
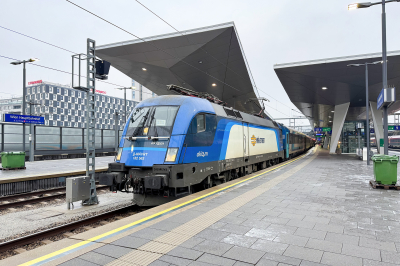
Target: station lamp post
(125, 88)
(384, 62)
(30, 60)
(366, 103)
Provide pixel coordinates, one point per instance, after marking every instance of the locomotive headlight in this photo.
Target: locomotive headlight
(119, 154)
(171, 154)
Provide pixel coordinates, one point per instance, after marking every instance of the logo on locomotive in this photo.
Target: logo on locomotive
(255, 140)
(202, 154)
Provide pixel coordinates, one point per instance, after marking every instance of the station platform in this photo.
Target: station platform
(52, 168)
(317, 209)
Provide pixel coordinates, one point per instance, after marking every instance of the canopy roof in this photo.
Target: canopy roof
(303, 82)
(194, 59)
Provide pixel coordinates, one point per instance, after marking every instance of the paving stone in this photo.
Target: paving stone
(159, 263)
(192, 242)
(280, 258)
(340, 260)
(165, 225)
(233, 220)
(324, 245)
(367, 262)
(265, 262)
(130, 242)
(329, 228)
(311, 233)
(217, 225)
(97, 258)
(112, 251)
(303, 253)
(291, 216)
(291, 239)
(281, 229)
(212, 234)
(175, 260)
(235, 229)
(260, 233)
(256, 224)
(240, 263)
(390, 257)
(342, 238)
(253, 216)
(212, 247)
(275, 220)
(302, 224)
(362, 252)
(321, 220)
(362, 232)
(185, 253)
(371, 243)
(244, 254)
(216, 260)
(239, 240)
(78, 262)
(269, 246)
(199, 263)
(148, 233)
(310, 263)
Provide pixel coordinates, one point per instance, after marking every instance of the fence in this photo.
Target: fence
(50, 140)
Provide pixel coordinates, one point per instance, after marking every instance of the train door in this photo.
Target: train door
(246, 140)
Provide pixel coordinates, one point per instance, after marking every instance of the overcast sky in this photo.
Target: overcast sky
(271, 32)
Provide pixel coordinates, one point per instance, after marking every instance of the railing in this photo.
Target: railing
(50, 140)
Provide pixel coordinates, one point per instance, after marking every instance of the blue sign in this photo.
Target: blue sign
(380, 99)
(28, 119)
(372, 130)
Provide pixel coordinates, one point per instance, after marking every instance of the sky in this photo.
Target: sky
(271, 32)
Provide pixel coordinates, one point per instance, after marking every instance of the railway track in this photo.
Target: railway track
(34, 197)
(42, 235)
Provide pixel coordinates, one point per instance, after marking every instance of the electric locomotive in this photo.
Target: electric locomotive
(175, 145)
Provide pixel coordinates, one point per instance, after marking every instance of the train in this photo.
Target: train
(175, 145)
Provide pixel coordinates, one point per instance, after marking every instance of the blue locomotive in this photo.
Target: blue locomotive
(176, 145)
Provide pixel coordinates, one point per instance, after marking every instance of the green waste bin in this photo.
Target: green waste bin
(385, 169)
(13, 159)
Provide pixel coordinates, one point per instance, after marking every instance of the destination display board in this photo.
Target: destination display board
(28, 119)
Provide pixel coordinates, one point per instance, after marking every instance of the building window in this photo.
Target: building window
(47, 96)
(29, 90)
(65, 92)
(79, 94)
(79, 107)
(58, 103)
(58, 90)
(51, 89)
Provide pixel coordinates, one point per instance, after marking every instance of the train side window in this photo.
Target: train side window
(201, 123)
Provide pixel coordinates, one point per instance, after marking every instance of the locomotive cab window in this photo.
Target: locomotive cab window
(201, 123)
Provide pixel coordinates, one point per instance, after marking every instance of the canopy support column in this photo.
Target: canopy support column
(378, 125)
(338, 121)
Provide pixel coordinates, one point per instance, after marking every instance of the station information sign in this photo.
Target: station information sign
(386, 97)
(394, 127)
(28, 119)
(322, 129)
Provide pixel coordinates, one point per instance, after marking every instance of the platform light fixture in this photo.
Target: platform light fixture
(324, 88)
(332, 111)
(200, 62)
(144, 69)
(214, 85)
(359, 5)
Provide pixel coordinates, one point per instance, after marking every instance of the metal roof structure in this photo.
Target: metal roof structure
(303, 82)
(209, 59)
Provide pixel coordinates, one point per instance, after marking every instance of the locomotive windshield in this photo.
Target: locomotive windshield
(152, 121)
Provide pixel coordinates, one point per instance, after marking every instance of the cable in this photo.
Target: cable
(62, 71)
(159, 49)
(37, 39)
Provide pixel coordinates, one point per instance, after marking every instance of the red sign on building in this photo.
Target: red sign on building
(35, 82)
(102, 92)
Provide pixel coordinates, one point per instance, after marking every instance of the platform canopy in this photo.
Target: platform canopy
(304, 83)
(209, 59)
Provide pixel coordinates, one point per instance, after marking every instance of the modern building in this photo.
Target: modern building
(10, 106)
(64, 106)
(140, 92)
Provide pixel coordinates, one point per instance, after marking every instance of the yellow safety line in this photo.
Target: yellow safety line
(84, 242)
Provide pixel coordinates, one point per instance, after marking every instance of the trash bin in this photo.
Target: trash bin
(13, 159)
(385, 169)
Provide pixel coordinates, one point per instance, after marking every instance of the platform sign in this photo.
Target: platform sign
(386, 97)
(394, 127)
(28, 119)
(381, 142)
(323, 129)
(372, 130)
